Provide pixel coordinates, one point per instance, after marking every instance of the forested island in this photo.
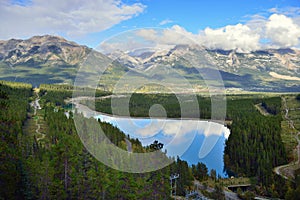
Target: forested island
(42, 156)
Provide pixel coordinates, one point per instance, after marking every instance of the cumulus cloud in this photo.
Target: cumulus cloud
(279, 26)
(282, 31)
(170, 36)
(177, 35)
(148, 38)
(238, 36)
(166, 38)
(54, 17)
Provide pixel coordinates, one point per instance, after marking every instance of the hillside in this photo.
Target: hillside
(265, 70)
(52, 59)
(41, 59)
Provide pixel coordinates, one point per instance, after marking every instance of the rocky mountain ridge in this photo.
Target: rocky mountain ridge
(286, 61)
(42, 49)
(53, 59)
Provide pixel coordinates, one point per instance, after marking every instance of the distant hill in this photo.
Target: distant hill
(52, 59)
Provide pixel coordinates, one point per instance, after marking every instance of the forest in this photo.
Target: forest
(262, 148)
(58, 166)
(140, 104)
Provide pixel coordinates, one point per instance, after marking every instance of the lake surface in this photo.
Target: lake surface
(192, 140)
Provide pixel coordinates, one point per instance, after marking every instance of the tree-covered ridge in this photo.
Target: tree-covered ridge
(58, 166)
(14, 107)
(272, 105)
(254, 146)
(79, 175)
(140, 104)
(57, 94)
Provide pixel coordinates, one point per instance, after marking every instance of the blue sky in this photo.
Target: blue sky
(195, 14)
(90, 23)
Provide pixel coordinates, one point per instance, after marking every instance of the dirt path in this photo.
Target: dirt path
(262, 110)
(298, 147)
(129, 145)
(36, 106)
(286, 170)
(37, 130)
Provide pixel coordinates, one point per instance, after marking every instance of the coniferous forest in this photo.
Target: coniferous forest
(57, 165)
(255, 146)
(42, 157)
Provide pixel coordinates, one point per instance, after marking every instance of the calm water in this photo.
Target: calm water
(191, 140)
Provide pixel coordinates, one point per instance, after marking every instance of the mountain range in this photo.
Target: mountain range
(52, 59)
(41, 59)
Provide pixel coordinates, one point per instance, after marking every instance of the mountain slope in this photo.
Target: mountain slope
(41, 59)
(52, 59)
(265, 70)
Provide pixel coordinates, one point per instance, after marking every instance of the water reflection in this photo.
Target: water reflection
(191, 140)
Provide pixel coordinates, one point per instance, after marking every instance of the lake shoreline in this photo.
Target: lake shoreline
(193, 140)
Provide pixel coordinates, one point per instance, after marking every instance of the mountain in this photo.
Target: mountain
(264, 70)
(41, 59)
(52, 59)
(42, 49)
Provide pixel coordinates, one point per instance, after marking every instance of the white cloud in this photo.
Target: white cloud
(167, 37)
(297, 20)
(273, 10)
(151, 130)
(287, 11)
(168, 127)
(129, 44)
(257, 24)
(178, 135)
(54, 17)
(177, 35)
(36, 17)
(148, 38)
(282, 31)
(166, 21)
(238, 36)
(182, 127)
(149, 34)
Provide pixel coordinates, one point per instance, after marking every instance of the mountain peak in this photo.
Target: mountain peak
(48, 58)
(42, 49)
(48, 39)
